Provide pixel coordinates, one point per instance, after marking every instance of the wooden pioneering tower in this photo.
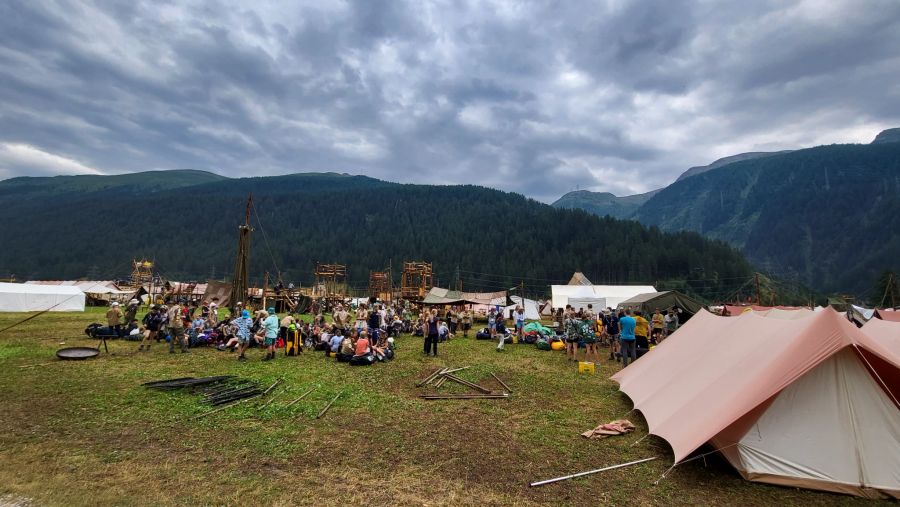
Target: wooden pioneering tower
(141, 272)
(417, 280)
(331, 280)
(380, 285)
(241, 281)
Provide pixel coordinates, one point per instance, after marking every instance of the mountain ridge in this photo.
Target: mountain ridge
(499, 238)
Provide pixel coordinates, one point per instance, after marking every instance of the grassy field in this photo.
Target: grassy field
(87, 433)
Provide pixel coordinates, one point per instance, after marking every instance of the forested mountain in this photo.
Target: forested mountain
(823, 216)
(827, 214)
(693, 171)
(603, 203)
(495, 238)
(15, 189)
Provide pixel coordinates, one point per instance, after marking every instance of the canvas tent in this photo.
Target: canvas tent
(578, 278)
(530, 306)
(21, 297)
(220, 292)
(886, 333)
(735, 310)
(752, 385)
(887, 314)
(97, 291)
(599, 296)
(440, 296)
(651, 301)
(860, 315)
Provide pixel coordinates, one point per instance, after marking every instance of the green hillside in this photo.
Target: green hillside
(826, 214)
(58, 187)
(603, 203)
(496, 238)
(693, 171)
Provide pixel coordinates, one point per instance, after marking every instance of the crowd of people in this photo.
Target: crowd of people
(627, 333)
(365, 333)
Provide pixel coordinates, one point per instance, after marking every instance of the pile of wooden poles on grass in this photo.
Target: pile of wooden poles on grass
(227, 391)
(441, 376)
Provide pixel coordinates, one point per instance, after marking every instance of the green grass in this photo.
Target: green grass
(87, 433)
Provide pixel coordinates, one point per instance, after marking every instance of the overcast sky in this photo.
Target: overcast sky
(537, 98)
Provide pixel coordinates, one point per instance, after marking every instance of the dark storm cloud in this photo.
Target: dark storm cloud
(537, 98)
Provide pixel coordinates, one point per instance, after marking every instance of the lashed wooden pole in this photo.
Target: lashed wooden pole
(502, 383)
(269, 389)
(454, 370)
(429, 378)
(329, 405)
(301, 397)
(467, 383)
(266, 404)
(238, 402)
(472, 396)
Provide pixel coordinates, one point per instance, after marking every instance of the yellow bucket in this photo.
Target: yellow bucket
(584, 367)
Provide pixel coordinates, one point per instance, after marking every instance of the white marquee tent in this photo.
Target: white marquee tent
(20, 297)
(530, 306)
(600, 296)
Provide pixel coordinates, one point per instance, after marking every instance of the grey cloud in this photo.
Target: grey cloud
(537, 98)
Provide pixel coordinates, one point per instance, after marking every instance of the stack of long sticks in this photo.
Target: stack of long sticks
(442, 375)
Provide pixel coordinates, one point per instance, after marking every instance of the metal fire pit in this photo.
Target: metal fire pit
(77, 353)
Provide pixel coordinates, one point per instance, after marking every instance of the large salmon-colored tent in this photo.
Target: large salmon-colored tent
(806, 402)
(886, 333)
(888, 314)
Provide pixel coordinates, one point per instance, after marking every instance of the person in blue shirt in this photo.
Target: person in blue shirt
(334, 343)
(242, 331)
(271, 324)
(627, 324)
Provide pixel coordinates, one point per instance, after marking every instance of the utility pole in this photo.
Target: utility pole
(265, 288)
(889, 289)
(757, 290)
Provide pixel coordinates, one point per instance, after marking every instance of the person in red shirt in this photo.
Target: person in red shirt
(362, 345)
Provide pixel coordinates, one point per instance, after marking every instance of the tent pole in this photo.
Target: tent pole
(581, 474)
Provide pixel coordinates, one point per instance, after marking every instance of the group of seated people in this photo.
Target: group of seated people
(358, 348)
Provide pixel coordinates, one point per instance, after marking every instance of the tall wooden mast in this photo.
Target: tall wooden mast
(241, 281)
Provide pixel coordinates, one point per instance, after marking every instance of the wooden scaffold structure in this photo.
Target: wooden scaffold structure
(241, 280)
(381, 285)
(417, 280)
(331, 282)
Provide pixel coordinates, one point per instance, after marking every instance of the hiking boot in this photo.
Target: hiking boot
(185, 351)
(242, 358)
(141, 348)
(171, 351)
(267, 358)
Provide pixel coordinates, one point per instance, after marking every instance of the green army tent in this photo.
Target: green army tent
(664, 300)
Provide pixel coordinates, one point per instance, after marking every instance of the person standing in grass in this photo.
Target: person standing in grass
(659, 326)
(270, 324)
(152, 322)
(114, 318)
(466, 322)
(131, 310)
(175, 325)
(242, 331)
(627, 325)
(520, 323)
(641, 330)
(611, 325)
(431, 333)
(340, 318)
(492, 322)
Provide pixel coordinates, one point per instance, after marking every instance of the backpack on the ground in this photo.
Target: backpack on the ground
(292, 343)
